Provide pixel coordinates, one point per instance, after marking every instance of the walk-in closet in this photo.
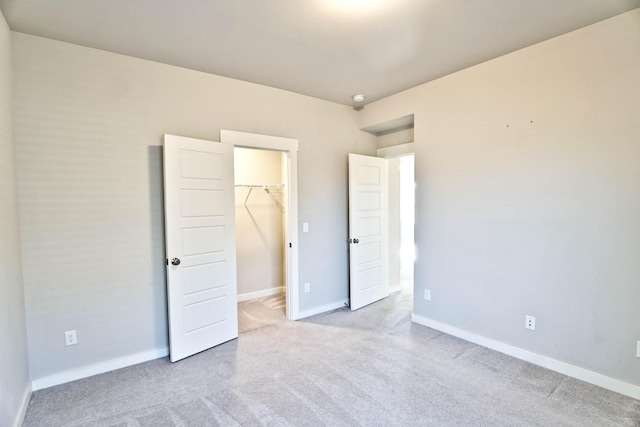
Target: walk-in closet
(260, 245)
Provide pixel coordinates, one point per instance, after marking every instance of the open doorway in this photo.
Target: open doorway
(407, 221)
(401, 223)
(260, 239)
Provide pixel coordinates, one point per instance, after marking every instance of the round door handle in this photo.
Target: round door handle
(175, 261)
(350, 241)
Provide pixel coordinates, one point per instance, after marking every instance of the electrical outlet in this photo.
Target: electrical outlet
(530, 322)
(70, 338)
(307, 288)
(427, 295)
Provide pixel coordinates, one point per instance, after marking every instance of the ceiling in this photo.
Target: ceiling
(329, 49)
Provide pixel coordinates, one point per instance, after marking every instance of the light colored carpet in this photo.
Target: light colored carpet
(372, 367)
(258, 313)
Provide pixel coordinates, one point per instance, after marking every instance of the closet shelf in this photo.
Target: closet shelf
(260, 185)
(268, 188)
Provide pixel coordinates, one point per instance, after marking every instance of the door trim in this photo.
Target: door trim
(289, 147)
(399, 150)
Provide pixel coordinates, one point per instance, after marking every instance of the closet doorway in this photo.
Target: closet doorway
(266, 225)
(260, 240)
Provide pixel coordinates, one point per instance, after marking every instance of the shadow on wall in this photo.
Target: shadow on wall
(158, 254)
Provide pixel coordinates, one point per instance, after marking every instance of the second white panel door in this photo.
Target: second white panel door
(368, 230)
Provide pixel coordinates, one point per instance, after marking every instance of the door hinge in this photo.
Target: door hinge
(167, 261)
(290, 245)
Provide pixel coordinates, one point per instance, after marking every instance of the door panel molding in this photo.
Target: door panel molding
(200, 242)
(368, 230)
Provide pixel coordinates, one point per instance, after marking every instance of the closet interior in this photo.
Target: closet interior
(260, 245)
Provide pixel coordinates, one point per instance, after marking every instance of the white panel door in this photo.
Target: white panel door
(368, 230)
(200, 244)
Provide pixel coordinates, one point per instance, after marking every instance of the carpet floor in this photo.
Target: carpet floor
(258, 313)
(372, 367)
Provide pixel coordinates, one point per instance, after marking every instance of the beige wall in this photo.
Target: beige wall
(88, 134)
(259, 226)
(528, 196)
(395, 137)
(14, 374)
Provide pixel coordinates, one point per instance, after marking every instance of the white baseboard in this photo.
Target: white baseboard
(321, 309)
(22, 412)
(260, 294)
(98, 368)
(537, 359)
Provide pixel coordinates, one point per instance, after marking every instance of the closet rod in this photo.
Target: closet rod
(265, 187)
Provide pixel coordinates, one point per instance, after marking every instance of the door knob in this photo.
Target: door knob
(356, 240)
(175, 261)
(350, 241)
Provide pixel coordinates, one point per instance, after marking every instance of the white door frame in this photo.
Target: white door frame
(399, 150)
(289, 147)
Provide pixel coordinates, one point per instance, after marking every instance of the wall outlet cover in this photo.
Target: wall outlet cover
(70, 338)
(530, 322)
